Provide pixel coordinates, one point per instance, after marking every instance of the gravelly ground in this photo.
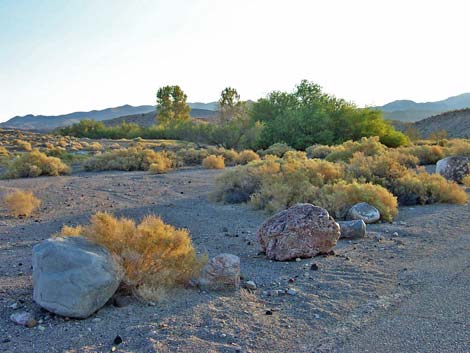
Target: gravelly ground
(365, 280)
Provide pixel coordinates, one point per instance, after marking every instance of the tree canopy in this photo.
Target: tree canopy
(171, 105)
(308, 116)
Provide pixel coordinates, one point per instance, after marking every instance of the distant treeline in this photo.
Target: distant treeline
(300, 119)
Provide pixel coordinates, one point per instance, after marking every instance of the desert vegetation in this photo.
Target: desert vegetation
(155, 256)
(364, 171)
(34, 164)
(21, 203)
(214, 162)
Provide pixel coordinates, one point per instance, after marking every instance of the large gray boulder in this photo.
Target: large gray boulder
(302, 231)
(73, 277)
(364, 211)
(454, 168)
(221, 273)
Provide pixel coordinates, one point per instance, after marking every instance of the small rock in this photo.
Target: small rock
(354, 229)
(221, 273)
(13, 306)
(24, 319)
(364, 211)
(395, 234)
(121, 301)
(96, 319)
(268, 312)
(314, 267)
(117, 340)
(291, 291)
(298, 259)
(41, 328)
(250, 285)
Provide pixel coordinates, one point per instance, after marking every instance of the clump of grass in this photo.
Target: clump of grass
(247, 156)
(34, 164)
(213, 162)
(155, 256)
(21, 203)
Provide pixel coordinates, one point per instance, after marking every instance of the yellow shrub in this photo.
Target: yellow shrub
(125, 159)
(425, 153)
(161, 164)
(94, 146)
(369, 146)
(34, 164)
(466, 181)
(21, 203)
(458, 147)
(423, 188)
(247, 156)
(338, 198)
(191, 156)
(155, 256)
(319, 151)
(4, 152)
(23, 145)
(213, 162)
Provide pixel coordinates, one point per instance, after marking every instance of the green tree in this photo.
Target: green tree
(308, 116)
(171, 105)
(230, 105)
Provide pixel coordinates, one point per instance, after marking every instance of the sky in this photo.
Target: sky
(60, 56)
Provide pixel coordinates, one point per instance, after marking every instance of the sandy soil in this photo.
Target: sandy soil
(362, 280)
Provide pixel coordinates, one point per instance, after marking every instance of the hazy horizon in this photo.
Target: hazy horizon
(57, 57)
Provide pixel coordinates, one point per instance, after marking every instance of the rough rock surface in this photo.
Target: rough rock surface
(222, 272)
(454, 168)
(302, 231)
(24, 319)
(364, 211)
(72, 276)
(352, 229)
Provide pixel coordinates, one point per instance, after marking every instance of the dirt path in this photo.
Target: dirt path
(365, 278)
(435, 318)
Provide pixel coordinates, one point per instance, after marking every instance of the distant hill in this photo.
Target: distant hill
(149, 119)
(410, 111)
(47, 123)
(456, 123)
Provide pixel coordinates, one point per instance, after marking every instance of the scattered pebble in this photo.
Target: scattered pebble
(250, 285)
(24, 319)
(395, 234)
(314, 267)
(291, 291)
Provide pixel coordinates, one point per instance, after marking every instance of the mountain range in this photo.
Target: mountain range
(47, 123)
(410, 111)
(406, 111)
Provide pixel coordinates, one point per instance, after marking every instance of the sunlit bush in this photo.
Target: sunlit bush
(34, 164)
(247, 156)
(161, 164)
(125, 159)
(21, 203)
(155, 256)
(213, 162)
(23, 145)
(369, 146)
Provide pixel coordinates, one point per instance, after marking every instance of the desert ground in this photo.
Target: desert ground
(366, 297)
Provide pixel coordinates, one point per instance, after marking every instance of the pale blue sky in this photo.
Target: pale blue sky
(60, 56)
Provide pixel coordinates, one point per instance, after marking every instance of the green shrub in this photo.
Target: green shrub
(277, 149)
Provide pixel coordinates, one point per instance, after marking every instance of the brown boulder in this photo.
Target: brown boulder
(303, 231)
